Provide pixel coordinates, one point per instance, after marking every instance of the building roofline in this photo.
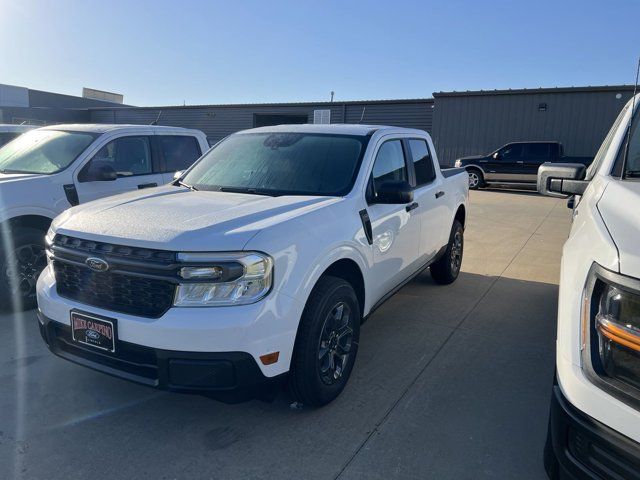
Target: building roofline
(470, 93)
(279, 104)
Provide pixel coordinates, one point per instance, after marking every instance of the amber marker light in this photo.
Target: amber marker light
(269, 358)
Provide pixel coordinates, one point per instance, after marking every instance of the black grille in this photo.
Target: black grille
(100, 248)
(136, 295)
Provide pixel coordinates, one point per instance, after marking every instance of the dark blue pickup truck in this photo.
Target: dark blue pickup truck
(515, 163)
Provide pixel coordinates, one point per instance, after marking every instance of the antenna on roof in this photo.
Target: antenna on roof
(364, 109)
(633, 107)
(332, 93)
(155, 122)
(24, 122)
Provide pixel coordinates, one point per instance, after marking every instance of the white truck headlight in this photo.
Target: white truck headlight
(458, 163)
(611, 332)
(223, 279)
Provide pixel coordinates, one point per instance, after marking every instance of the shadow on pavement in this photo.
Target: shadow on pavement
(450, 382)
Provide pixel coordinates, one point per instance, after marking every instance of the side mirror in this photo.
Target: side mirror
(562, 179)
(394, 191)
(98, 171)
(177, 175)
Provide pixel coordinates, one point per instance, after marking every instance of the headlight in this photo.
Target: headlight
(223, 279)
(458, 163)
(611, 327)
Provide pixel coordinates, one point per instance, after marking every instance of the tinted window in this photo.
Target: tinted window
(511, 152)
(179, 152)
(537, 150)
(128, 156)
(281, 163)
(43, 151)
(422, 162)
(389, 164)
(6, 137)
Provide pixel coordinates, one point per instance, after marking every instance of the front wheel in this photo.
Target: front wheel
(447, 268)
(327, 343)
(476, 180)
(22, 258)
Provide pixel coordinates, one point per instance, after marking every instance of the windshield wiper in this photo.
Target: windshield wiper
(190, 187)
(250, 191)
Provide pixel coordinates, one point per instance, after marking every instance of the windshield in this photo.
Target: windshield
(280, 164)
(43, 151)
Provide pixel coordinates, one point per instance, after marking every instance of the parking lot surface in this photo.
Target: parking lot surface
(451, 382)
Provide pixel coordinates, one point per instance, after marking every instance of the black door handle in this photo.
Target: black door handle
(411, 206)
(439, 194)
(147, 185)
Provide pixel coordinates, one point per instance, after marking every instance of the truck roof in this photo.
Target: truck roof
(108, 127)
(336, 128)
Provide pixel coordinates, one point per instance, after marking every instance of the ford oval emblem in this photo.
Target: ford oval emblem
(93, 334)
(97, 264)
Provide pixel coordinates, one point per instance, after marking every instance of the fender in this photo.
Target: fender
(328, 258)
(17, 212)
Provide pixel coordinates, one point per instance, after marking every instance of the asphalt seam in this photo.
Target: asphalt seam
(384, 418)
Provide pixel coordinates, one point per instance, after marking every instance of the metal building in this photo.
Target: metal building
(461, 123)
(218, 121)
(471, 123)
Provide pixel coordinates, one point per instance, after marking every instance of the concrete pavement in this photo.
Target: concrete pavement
(450, 382)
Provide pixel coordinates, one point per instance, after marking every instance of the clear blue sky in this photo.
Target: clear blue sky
(167, 52)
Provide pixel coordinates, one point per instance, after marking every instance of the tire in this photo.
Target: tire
(446, 269)
(476, 179)
(22, 259)
(327, 343)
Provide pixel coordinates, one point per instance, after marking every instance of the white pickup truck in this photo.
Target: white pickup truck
(594, 426)
(257, 265)
(45, 171)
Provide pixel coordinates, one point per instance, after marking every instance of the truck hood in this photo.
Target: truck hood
(621, 214)
(174, 218)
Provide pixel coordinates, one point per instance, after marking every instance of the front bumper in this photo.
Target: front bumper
(226, 376)
(580, 447)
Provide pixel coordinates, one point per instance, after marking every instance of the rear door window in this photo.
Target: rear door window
(179, 152)
(538, 151)
(422, 162)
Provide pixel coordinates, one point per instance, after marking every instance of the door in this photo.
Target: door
(535, 154)
(396, 228)
(506, 164)
(178, 152)
(133, 163)
(429, 194)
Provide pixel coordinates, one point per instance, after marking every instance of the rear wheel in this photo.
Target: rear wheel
(476, 179)
(447, 268)
(327, 343)
(22, 259)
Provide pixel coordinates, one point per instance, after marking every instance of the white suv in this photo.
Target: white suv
(45, 171)
(594, 426)
(260, 261)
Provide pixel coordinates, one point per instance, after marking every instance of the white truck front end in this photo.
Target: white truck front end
(594, 426)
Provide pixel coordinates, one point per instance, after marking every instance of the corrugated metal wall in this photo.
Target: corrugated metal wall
(478, 123)
(219, 121)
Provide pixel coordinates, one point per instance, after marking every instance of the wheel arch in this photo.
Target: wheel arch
(38, 222)
(461, 215)
(350, 271)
